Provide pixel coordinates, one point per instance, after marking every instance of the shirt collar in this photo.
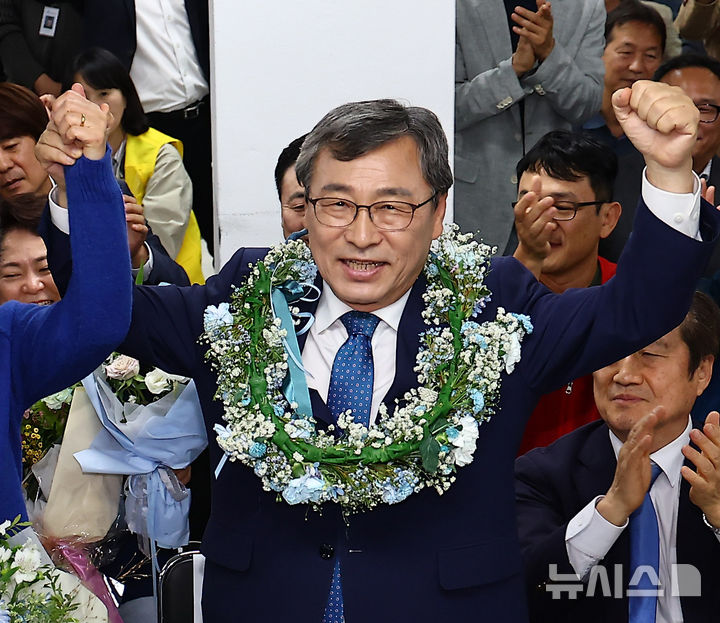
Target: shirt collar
(330, 308)
(708, 168)
(670, 457)
(118, 158)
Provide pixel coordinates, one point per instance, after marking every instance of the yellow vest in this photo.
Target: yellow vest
(140, 156)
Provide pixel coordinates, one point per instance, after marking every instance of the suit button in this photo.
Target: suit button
(327, 551)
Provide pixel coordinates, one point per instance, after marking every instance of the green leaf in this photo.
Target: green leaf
(429, 451)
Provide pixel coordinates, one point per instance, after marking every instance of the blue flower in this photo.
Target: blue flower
(525, 321)
(432, 270)
(480, 304)
(452, 433)
(279, 410)
(307, 488)
(215, 318)
(306, 271)
(257, 450)
(478, 400)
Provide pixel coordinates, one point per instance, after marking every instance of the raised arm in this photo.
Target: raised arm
(582, 330)
(57, 345)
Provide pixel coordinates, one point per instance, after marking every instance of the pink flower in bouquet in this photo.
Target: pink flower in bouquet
(122, 368)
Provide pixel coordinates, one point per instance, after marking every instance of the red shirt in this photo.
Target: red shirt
(567, 408)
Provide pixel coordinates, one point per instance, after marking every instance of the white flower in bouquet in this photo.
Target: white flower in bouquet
(4, 526)
(57, 400)
(158, 381)
(122, 368)
(5, 555)
(28, 562)
(466, 441)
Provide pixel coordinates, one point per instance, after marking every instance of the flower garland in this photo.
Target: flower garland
(432, 431)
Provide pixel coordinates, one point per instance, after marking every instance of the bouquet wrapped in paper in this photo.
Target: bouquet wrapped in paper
(151, 425)
(32, 589)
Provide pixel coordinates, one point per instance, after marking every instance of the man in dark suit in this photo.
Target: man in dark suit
(699, 77)
(577, 497)
(427, 558)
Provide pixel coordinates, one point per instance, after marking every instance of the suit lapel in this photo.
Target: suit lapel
(596, 464)
(594, 476)
(497, 34)
(411, 325)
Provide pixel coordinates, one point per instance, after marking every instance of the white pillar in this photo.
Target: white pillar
(278, 67)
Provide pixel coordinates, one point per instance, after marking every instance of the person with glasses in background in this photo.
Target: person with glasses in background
(290, 192)
(578, 172)
(699, 77)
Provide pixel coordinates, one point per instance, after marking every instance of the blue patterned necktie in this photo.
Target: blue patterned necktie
(351, 381)
(644, 551)
(351, 387)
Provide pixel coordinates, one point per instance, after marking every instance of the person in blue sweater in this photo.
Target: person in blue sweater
(44, 349)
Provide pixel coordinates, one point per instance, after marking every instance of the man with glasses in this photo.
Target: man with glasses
(578, 172)
(376, 177)
(699, 77)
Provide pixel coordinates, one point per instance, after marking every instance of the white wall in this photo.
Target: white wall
(278, 67)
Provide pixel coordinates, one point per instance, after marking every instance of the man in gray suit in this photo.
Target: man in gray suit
(508, 95)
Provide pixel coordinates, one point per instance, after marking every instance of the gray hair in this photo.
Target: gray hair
(352, 130)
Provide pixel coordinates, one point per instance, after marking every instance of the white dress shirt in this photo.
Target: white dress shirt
(589, 536)
(165, 67)
(328, 333)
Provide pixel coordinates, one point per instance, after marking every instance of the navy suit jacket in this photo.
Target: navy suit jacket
(430, 557)
(165, 269)
(553, 484)
(111, 24)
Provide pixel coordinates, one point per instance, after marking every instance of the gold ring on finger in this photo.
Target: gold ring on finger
(82, 118)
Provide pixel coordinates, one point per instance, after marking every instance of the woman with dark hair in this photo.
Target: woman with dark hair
(45, 348)
(149, 161)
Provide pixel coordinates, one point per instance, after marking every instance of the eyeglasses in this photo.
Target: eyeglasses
(708, 113)
(568, 209)
(386, 215)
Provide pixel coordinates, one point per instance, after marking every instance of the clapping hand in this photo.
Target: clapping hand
(534, 225)
(535, 28)
(633, 471)
(705, 480)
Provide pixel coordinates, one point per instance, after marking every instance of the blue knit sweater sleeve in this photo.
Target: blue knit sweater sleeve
(53, 347)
